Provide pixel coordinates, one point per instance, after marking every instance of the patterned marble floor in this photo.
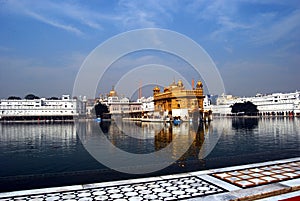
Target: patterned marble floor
(261, 175)
(169, 189)
(230, 183)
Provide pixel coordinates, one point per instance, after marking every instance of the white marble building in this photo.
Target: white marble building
(42, 108)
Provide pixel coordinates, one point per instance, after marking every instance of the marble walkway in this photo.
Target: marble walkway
(275, 180)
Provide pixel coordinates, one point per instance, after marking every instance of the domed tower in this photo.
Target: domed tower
(112, 92)
(199, 85)
(199, 92)
(156, 90)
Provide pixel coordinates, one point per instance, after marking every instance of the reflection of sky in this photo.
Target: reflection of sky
(27, 148)
(253, 43)
(45, 148)
(260, 138)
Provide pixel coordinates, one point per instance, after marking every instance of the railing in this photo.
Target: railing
(181, 93)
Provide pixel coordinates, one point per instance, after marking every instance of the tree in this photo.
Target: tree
(31, 97)
(101, 109)
(14, 98)
(246, 108)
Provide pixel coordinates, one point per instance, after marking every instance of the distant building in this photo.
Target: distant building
(147, 104)
(276, 104)
(176, 101)
(207, 106)
(224, 104)
(42, 109)
(121, 106)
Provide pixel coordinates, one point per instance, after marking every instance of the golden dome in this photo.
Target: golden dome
(112, 92)
(156, 88)
(199, 84)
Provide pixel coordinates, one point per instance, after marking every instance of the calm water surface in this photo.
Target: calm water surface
(43, 155)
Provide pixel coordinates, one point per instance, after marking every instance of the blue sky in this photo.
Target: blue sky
(254, 44)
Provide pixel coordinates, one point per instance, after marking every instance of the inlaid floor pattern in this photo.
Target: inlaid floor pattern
(261, 175)
(168, 189)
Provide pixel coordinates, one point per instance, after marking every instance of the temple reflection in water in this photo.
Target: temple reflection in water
(145, 137)
(187, 134)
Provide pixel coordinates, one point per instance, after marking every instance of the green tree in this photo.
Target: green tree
(246, 108)
(14, 98)
(31, 97)
(101, 109)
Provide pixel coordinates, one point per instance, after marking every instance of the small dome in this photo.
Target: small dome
(112, 92)
(199, 84)
(156, 88)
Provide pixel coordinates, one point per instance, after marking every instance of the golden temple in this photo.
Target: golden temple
(176, 97)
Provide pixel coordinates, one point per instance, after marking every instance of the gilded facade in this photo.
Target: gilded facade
(175, 96)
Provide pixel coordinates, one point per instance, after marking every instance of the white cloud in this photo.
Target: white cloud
(54, 23)
(220, 14)
(5, 49)
(282, 28)
(61, 14)
(141, 14)
(75, 18)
